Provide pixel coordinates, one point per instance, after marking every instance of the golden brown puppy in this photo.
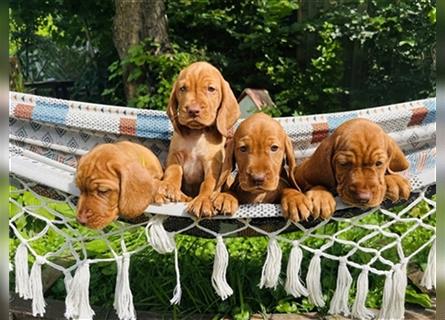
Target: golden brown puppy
(115, 179)
(359, 162)
(261, 148)
(202, 109)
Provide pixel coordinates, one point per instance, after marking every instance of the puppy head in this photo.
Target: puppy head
(259, 147)
(202, 98)
(362, 154)
(110, 184)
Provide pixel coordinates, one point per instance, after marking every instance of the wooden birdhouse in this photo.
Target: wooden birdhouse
(254, 100)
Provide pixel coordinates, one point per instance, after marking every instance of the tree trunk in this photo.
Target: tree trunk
(134, 21)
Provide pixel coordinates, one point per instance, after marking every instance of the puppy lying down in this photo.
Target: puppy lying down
(117, 179)
(260, 148)
(359, 162)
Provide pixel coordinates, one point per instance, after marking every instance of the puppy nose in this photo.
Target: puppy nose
(258, 179)
(82, 217)
(193, 111)
(363, 196)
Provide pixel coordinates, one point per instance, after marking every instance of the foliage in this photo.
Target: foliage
(312, 56)
(154, 73)
(196, 258)
(64, 40)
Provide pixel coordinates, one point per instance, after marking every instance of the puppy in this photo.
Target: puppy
(202, 109)
(260, 148)
(359, 162)
(115, 179)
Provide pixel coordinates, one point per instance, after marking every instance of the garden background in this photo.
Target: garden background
(312, 57)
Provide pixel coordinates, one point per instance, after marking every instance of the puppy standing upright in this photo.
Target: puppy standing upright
(202, 109)
(261, 149)
(116, 179)
(359, 162)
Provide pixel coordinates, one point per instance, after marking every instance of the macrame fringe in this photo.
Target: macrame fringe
(359, 309)
(386, 299)
(293, 285)
(35, 282)
(393, 304)
(220, 264)
(429, 276)
(272, 265)
(123, 298)
(339, 302)
(22, 286)
(161, 240)
(399, 283)
(77, 301)
(313, 281)
(177, 293)
(67, 280)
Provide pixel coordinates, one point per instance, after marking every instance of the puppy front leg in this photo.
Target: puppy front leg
(226, 203)
(170, 186)
(295, 205)
(397, 187)
(323, 202)
(201, 205)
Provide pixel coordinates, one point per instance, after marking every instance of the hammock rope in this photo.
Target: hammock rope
(47, 137)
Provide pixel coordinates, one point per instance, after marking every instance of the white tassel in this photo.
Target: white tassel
(22, 286)
(293, 285)
(339, 302)
(429, 277)
(313, 282)
(359, 309)
(220, 264)
(67, 280)
(123, 298)
(35, 282)
(77, 301)
(272, 265)
(399, 283)
(385, 311)
(161, 240)
(177, 293)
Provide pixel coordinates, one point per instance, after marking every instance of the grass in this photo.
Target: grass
(152, 276)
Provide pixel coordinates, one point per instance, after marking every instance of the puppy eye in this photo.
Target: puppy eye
(379, 163)
(274, 148)
(103, 192)
(345, 164)
(182, 89)
(211, 89)
(243, 149)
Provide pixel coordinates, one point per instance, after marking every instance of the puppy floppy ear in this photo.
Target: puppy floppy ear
(397, 160)
(136, 189)
(172, 110)
(290, 160)
(228, 164)
(228, 111)
(318, 169)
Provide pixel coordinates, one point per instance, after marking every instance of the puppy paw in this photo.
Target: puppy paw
(201, 206)
(295, 205)
(225, 203)
(167, 192)
(323, 203)
(397, 187)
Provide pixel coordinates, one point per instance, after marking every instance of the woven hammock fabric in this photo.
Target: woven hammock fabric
(48, 136)
(62, 131)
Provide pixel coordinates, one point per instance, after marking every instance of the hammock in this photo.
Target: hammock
(48, 136)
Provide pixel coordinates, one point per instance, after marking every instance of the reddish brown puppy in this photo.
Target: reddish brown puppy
(359, 162)
(114, 180)
(265, 159)
(202, 109)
